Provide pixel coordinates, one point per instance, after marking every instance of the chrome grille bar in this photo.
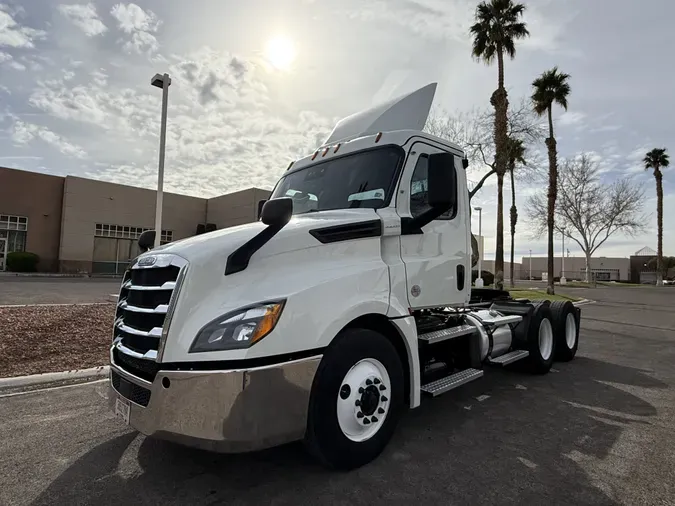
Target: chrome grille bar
(142, 323)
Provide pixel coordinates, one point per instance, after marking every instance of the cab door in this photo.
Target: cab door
(435, 256)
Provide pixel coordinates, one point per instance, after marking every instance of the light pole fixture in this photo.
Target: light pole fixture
(162, 81)
(479, 279)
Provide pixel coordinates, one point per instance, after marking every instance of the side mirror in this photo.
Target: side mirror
(147, 240)
(442, 183)
(261, 203)
(277, 212)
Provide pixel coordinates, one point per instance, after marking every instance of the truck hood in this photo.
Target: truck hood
(294, 236)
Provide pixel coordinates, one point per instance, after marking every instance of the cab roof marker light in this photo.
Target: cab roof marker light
(325, 150)
(290, 165)
(379, 136)
(337, 147)
(315, 153)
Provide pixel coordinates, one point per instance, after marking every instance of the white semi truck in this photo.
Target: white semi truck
(347, 302)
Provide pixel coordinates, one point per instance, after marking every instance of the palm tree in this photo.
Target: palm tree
(656, 159)
(516, 150)
(549, 88)
(495, 32)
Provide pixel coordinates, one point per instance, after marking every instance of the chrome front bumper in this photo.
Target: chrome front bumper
(225, 411)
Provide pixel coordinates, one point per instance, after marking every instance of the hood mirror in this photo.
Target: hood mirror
(147, 240)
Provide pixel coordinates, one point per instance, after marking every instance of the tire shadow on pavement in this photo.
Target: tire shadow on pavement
(533, 440)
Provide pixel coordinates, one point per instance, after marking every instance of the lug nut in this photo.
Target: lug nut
(369, 382)
(359, 415)
(357, 403)
(376, 381)
(382, 388)
(366, 421)
(374, 419)
(384, 399)
(380, 411)
(361, 390)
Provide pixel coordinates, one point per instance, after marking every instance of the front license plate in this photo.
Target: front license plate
(122, 408)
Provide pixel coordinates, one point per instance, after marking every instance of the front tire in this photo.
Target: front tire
(540, 339)
(565, 330)
(357, 399)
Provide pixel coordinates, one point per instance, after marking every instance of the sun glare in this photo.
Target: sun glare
(280, 53)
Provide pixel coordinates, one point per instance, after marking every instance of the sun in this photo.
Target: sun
(280, 53)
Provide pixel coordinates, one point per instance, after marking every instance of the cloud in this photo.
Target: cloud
(24, 133)
(223, 133)
(12, 34)
(139, 24)
(438, 20)
(572, 118)
(84, 16)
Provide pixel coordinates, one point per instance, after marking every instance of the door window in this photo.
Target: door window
(419, 191)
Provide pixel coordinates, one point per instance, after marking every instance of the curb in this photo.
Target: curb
(112, 297)
(80, 375)
(583, 302)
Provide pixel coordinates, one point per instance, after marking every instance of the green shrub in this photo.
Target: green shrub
(22, 261)
(488, 277)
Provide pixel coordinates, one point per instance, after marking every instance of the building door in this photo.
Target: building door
(112, 255)
(3, 253)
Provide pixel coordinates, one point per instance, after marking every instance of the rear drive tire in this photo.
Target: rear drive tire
(356, 401)
(565, 330)
(540, 340)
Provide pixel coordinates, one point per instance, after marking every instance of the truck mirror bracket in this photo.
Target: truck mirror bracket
(238, 260)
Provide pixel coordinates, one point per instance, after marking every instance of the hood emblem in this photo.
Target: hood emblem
(147, 261)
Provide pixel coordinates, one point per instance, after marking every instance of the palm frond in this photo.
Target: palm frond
(656, 158)
(497, 26)
(550, 87)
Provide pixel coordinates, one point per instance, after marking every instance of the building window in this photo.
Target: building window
(13, 229)
(128, 232)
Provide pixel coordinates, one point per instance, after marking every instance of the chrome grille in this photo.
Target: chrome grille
(144, 308)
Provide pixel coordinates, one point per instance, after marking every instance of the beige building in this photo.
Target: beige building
(82, 225)
(603, 268)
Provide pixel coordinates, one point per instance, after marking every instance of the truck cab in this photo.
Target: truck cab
(347, 301)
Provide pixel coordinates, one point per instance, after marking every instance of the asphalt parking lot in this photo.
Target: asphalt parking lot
(598, 430)
(29, 290)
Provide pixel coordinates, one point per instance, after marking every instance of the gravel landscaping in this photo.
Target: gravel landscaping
(38, 339)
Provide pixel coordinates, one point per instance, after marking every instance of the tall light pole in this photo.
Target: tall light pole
(163, 82)
(479, 280)
(530, 265)
(563, 280)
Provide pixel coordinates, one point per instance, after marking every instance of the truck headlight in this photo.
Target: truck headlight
(238, 329)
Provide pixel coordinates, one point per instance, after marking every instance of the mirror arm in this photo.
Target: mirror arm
(414, 225)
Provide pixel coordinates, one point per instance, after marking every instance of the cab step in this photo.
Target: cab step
(444, 334)
(509, 358)
(442, 385)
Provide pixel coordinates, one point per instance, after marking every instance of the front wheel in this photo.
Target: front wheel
(357, 399)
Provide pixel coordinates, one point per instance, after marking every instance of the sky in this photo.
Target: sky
(257, 84)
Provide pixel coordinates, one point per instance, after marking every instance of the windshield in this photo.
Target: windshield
(364, 179)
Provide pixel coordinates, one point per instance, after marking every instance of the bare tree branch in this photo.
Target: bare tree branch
(474, 132)
(589, 210)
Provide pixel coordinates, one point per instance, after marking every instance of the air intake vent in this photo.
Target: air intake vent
(348, 232)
